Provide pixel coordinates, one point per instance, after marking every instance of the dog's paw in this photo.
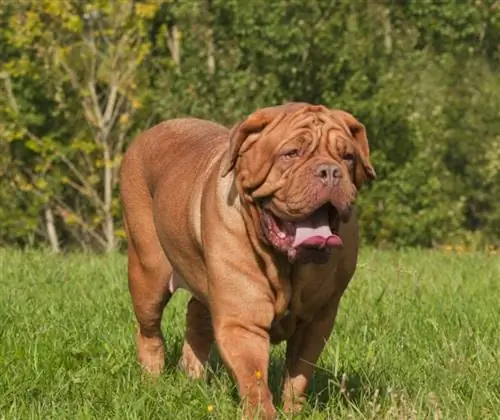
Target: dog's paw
(293, 405)
(191, 364)
(151, 354)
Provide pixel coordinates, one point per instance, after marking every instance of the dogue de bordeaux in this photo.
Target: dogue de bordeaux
(258, 223)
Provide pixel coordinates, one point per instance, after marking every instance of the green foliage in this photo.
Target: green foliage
(423, 77)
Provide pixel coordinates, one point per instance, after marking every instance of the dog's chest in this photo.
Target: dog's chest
(310, 289)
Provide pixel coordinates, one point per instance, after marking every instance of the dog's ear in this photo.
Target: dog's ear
(253, 124)
(364, 169)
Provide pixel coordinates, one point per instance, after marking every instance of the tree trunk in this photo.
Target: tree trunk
(387, 30)
(109, 226)
(173, 42)
(210, 52)
(51, 229)
(210, 39)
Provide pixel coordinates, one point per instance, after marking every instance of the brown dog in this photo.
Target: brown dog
(258, 224)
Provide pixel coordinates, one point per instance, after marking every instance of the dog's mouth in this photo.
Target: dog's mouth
(311, 239)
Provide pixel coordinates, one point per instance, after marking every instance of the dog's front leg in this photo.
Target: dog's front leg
(303, 350)
(242, 337)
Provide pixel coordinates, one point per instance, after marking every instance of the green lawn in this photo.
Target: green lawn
(417, 336)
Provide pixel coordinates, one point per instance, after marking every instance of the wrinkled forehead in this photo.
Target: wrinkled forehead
(314, 127)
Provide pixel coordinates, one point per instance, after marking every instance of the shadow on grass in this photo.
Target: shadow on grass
(347, 388)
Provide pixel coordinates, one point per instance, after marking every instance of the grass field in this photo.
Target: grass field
(417, 336)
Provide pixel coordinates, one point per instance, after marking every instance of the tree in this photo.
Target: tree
(79, 79)
(83, 62)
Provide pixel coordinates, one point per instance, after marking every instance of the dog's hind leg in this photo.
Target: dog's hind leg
(149, 287)
(198, 339)
(149, 271)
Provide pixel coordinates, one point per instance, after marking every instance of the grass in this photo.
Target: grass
(417, 336)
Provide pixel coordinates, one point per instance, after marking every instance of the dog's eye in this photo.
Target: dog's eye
(349, 157)
(290, 154)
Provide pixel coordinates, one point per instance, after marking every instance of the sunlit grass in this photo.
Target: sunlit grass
(416, 337)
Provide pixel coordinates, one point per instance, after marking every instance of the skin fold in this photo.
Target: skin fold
(215, 210)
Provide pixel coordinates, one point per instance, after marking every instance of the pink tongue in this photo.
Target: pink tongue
(315, 232)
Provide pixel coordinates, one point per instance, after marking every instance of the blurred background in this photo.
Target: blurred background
(79, 79)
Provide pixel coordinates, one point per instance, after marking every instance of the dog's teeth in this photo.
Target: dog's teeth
(282, 235)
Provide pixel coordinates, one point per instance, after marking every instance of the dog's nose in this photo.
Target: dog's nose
(329, 174)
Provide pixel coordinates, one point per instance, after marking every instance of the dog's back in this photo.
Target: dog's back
(154, 152)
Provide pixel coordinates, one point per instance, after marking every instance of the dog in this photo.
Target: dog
(258, 223)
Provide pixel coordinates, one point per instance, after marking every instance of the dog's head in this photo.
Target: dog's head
(299, 167)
